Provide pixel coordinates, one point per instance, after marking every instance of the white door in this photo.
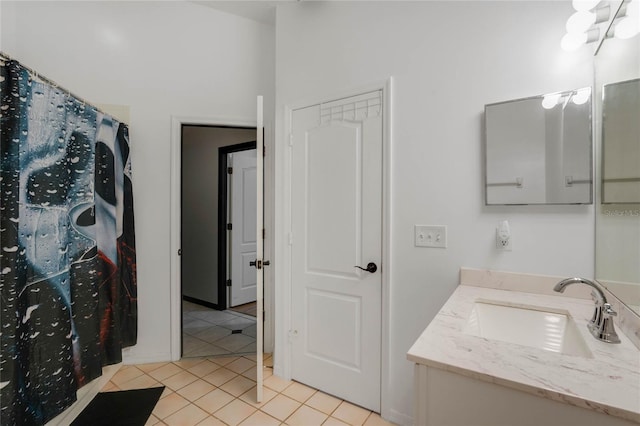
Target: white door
(336, 221)
(243, 231)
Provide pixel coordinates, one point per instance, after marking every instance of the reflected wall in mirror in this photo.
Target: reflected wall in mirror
(539, 149)
(621, 142)
(617, 70)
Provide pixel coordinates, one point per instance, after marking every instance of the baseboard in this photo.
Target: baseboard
(201, 302)
(278, 371)
(85, 395)
(129, 359)
(398, 418)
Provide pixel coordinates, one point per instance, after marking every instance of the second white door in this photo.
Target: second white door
(336, 221)
(243, 232)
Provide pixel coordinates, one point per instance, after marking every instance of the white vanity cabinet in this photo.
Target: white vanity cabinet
(443, 398)
(462, 378)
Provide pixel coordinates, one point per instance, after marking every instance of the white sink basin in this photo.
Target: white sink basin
(542, 328)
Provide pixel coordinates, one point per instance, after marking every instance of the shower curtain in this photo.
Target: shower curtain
(67, 258)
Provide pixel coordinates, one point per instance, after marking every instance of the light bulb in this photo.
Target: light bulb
(633, 8)
(626, 28)
(551, 100)
(584, 4)
(581, 96)
(580, 22)
(629, 26)
(571, 42)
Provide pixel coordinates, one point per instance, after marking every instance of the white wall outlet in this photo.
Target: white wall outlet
(431, 236)
(504, 239)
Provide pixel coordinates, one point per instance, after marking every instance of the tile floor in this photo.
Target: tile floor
(247, 308)
(221, 391)
(207, 332)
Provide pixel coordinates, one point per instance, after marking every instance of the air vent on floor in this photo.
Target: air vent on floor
(236, 331)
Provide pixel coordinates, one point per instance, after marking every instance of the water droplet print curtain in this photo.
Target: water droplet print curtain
(68, 262)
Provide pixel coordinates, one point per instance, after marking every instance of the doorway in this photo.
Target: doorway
(238, 185)
(208, 327)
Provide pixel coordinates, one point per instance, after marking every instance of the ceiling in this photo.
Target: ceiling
(263, 11)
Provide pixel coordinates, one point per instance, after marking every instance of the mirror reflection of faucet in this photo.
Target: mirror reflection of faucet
(601, 324)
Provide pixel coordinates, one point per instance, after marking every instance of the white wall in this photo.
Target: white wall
(448, 59)
(161, 59)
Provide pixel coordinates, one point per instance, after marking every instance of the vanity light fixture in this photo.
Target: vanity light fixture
(592, 21)
(581, 96)
(582, 26)
(573, 41)
(581, 5)
(551, 100)
(578, 97)
(581, 21)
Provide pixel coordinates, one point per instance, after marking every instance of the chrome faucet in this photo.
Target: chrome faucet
(601, 324)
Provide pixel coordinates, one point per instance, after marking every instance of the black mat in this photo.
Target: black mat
(122, 408)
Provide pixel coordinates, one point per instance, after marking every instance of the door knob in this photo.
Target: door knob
(258, 263)
(371, 267)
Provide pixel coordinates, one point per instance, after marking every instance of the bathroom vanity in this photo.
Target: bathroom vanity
(506, 350)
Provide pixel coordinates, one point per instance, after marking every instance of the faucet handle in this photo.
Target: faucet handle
(608, 310)
(605, 331)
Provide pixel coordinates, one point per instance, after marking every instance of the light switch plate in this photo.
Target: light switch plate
(431, 236)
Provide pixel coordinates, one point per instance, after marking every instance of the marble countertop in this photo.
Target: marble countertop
(608, 383)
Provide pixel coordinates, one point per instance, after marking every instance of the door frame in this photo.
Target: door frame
(283, 304)
(175, 293)
(223, 218)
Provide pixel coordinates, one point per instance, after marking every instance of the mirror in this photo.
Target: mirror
(538, 149)
(621, 142)
(617, 112)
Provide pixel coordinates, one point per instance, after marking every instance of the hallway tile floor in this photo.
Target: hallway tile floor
(207, 332)
(221, 391)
